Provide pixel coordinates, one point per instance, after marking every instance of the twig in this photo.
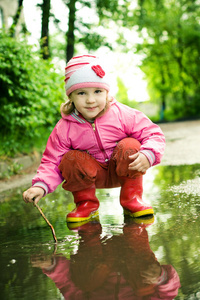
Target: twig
(52, 229)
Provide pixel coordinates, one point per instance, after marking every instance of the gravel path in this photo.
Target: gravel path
(182, 143)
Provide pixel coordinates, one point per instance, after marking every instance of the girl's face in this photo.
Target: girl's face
(89, 101)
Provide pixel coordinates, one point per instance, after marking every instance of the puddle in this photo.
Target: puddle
(110, 258)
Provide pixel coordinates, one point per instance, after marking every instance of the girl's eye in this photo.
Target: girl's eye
(81, 93)
(98, 91)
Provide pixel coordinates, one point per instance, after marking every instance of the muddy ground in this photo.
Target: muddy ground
(182, 148)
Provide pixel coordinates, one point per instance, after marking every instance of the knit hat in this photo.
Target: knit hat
(85, 71)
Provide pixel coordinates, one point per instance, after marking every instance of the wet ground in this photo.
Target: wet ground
(113, 257)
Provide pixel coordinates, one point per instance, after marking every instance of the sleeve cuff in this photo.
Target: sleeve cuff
(150, 156)
(163, 277)
(43, 186)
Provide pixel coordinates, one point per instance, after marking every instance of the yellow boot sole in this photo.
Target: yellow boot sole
(92, 215)
(141, 213)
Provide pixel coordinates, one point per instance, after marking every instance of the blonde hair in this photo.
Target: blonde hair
(68, 107)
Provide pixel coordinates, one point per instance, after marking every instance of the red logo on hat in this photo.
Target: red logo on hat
(98, 70)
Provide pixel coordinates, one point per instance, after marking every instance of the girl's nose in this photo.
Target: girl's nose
(90, 99)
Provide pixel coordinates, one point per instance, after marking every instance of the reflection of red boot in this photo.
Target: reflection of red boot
(87, 205)
(143, 222)
(141, 269)
(131, 197)
(76, 226)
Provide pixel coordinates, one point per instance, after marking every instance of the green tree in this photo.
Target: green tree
(31, 94)
(171, 44)
(70, 35)
(82, 30)
(46, 5)
(16, 18)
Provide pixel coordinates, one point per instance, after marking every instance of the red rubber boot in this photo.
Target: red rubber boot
(131, 197)
(87, 205)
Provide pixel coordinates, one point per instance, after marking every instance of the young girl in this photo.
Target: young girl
(98, 143)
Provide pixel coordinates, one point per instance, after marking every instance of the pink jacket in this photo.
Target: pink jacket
(98, 139)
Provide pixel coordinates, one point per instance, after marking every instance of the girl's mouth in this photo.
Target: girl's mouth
(90, 108)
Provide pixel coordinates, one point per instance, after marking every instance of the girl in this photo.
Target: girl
(98, 143)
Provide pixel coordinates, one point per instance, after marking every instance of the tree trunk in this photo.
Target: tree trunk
(70, 36)
(45, 29)
(16, 18)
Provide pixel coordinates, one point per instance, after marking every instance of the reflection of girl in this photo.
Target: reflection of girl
(121, 267)
(98, 143)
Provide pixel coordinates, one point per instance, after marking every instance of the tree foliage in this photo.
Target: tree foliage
(31, 93)
(171, 44)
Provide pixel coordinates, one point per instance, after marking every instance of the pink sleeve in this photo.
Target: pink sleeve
(148, 134)
(48, 175)
(169, 288)
(60, 274)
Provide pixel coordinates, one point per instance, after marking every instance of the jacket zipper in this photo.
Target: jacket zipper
(99, 141)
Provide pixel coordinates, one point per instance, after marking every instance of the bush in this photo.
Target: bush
(31, 94)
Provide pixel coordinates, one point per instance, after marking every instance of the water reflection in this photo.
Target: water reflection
(26, 240)
(118, 267)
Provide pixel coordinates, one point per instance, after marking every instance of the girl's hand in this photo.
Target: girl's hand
(33, 194)
(140, 162)
(42, 261)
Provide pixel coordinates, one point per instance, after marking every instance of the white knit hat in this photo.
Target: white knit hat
(85, 71)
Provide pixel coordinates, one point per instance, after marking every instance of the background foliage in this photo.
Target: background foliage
(170, 31)
(31, 94)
